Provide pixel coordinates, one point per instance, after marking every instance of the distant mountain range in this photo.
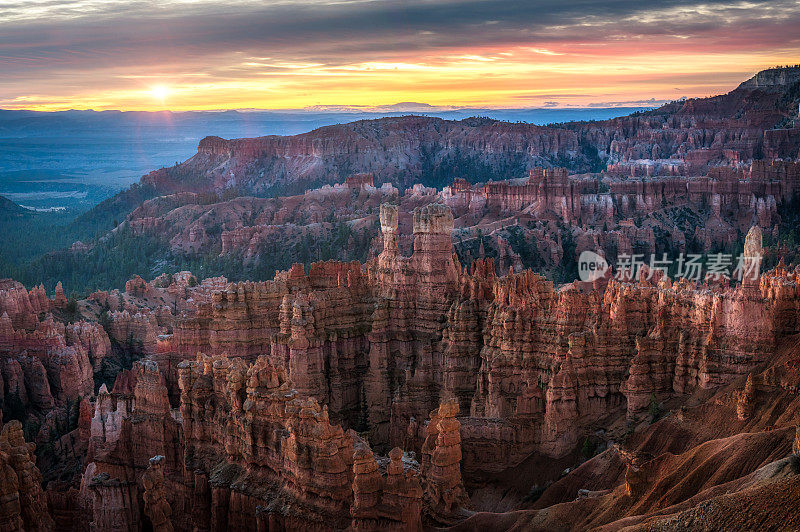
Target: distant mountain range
(78, 158)
(411, 149)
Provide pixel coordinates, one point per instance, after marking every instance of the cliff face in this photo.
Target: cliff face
(245, 408)
(382, 344)
(51, 358)
(472, 373)
(428, 381)
(24, 505)
(683, 137)
(520, 223)
(736, 196)
(43, 362)
(280, 439)
(131, 424)
(422, 145)
(252, 453)
(692, 175)
(772, 79)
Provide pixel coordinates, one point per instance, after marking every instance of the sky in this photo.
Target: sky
(294, 54)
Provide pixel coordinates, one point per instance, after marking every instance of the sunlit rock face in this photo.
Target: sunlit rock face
(313, 390)
(470, 371)
(382, 343)
(534, 222)
(683, 137)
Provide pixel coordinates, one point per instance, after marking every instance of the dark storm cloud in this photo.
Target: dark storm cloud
(102, 35)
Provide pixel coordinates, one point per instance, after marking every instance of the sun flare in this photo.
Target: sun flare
(160, 92)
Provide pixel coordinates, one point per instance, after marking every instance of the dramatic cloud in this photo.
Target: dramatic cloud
(201, 54)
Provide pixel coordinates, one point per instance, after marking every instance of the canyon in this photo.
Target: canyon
(537, 222)
(753, 121)
(381, 395)
(689, 177)
(445, 369)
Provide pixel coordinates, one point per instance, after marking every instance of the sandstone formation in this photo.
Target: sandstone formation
(701, 467)
(129, 425)
(681, 137)
(24, 505)
(290, 367)
(156, 507)
(519, 223)
(393, 501)
(509, 367)
(272, 436)
(441, 461)
(44, 363)
(380, 345)
(690, 176)
(373, 147)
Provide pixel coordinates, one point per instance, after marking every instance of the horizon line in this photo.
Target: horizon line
(356, 110)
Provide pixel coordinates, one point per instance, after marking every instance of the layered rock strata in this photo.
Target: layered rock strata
(44, 363)
(274, 439)
(156, 506)
(381, 345)
(23, 505)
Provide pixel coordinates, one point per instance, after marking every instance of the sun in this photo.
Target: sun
(160, 92)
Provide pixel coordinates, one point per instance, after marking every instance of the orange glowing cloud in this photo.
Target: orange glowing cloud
(197, 55)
